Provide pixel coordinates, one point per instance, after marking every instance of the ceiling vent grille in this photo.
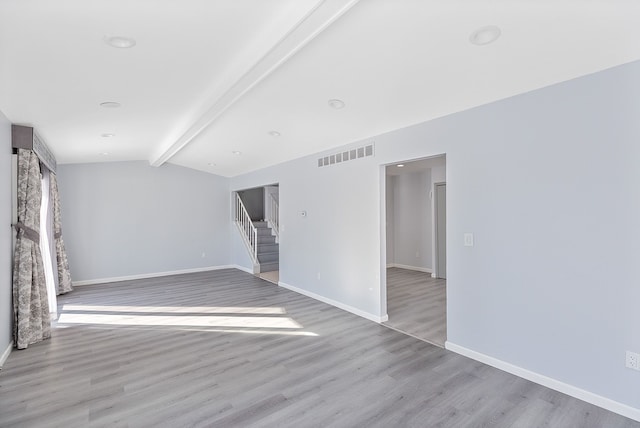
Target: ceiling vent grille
(347, 155)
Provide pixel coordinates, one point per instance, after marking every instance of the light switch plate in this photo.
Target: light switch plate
(468, 239)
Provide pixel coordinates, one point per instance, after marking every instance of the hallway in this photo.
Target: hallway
(417, 305)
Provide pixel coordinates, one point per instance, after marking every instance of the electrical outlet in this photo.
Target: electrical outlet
(468, 239)
(633, 360)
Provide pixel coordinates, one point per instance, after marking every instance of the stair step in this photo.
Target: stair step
(268, 257)
(263, 231)
(260, 224)
(266, 239)
(269, 267)
(268, 248)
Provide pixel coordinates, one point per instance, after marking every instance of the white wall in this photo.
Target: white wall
(128, 218)
(6, 256)
(547, 181)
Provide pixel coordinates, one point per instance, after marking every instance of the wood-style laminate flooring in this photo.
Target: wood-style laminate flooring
(227, 349)
(417, 304)
(273, 276)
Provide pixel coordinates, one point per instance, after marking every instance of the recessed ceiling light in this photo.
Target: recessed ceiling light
(104, 154)
(211, 164)
(120, 42)
(274, 133)
(485, 35)
(237, 153)
(336, 104)
(110, 104)
(108, 135)
(400, 165)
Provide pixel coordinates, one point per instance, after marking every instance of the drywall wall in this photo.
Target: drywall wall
(312, 254)
(412, 246)
(390, 221)
(253, 200)
(552, 275)
(438, 175)
(128, 218)
(6, 256)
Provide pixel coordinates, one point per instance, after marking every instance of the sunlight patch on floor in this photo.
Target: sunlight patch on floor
(178, 320)
(178, 309)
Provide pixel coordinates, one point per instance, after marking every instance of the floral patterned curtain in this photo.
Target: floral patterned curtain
(64, 275)
(30, 306)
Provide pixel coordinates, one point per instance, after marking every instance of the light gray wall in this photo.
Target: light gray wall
(547, 181)
(390, 222)
(438, 175)
(253, 200)
(412, 223)
(312, 254)
(6, 257)
(128, 218)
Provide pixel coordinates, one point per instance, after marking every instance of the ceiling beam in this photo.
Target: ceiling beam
(309, 27)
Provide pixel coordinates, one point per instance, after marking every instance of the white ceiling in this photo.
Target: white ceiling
(207, 78)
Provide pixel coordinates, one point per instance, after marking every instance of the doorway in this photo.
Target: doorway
(415, 208)
(257, 215)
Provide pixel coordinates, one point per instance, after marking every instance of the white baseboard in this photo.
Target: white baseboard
(356, 311)
(565, 388)
(242, 268)
(416, 268)
(152, 275)
(6, 353)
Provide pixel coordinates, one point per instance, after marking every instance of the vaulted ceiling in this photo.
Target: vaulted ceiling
(207, 78)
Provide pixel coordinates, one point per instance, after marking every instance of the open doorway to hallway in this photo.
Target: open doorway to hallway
(257, 217)
(416, 248)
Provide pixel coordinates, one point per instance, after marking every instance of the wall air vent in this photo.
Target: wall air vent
(348, 155)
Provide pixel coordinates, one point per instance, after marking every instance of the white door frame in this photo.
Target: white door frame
(383, 230)
(436, 238)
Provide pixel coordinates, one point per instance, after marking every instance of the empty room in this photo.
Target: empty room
(319, 213)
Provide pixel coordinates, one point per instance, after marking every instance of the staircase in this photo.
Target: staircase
(268, 251)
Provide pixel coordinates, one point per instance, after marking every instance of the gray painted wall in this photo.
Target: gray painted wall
(548, 182)
(412, 223)
(127, 218)
(253, 200)
(438, 175)
(6, 257)
(390, 222)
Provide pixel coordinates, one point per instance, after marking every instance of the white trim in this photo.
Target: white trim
(242, 268)
(6, 353)
(565, 388)
(416, 268)
(151, 275)
(356, 311)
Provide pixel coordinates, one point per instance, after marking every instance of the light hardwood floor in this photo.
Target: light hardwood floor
(417, 304)
(227, 349)
(273, 276)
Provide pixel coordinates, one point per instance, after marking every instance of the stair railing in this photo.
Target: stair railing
(273, 216)
(247, 229)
